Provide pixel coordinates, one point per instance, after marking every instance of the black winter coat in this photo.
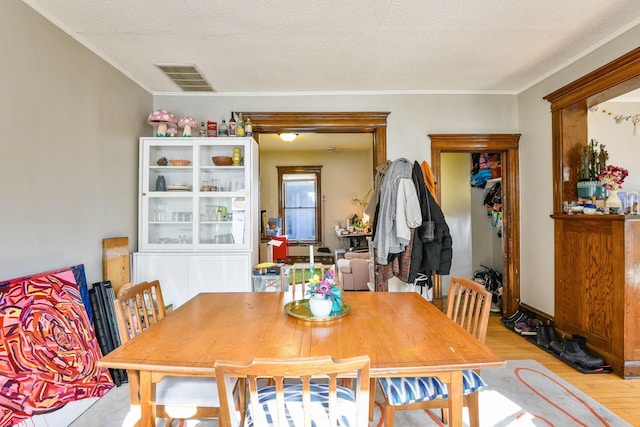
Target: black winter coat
(427, 257)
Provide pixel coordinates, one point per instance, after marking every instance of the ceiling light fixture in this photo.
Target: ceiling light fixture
(288, 136)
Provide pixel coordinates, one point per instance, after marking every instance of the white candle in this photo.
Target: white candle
(311, 255)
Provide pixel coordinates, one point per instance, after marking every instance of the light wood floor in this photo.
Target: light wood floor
(617, 394)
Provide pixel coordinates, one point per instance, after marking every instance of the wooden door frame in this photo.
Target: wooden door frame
(373, 122)
(507, 145)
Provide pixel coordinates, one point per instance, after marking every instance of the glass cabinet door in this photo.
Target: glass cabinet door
(190, 203)
(167, 195)
(222, 195)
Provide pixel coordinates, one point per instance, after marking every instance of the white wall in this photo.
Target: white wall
(69, 149)
(621, 140)
(412, 116)
(487, 245)
(455, 189)
(536, 193)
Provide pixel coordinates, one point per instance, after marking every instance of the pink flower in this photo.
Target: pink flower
(325, 286)
(612, 177)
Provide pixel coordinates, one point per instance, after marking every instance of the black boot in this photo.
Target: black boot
(556, 346)
(574, 353)
(551, 333)
(542, 339)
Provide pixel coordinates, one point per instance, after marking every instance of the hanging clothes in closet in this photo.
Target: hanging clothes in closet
(402, 206)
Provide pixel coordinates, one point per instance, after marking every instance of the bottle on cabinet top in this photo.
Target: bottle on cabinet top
(232, 125)
(248, 127)
(223, 130)
(240, 125)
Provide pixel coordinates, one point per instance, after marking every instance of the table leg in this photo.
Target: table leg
(134, 386)
(455, 399)
(147, 400)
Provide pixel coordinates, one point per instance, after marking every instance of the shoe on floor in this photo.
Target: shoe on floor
(574, 352)
(512, 317)
(531, 329)
(521, 318)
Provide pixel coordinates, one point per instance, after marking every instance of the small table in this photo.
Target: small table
(357, 239)
(245, 325)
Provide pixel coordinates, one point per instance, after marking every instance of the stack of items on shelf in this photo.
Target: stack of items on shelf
(572, 351)
(165, 125)
(101, 296)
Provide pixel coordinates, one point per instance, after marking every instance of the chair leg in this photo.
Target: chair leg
(241, 389)
(372, 397)
(474, 409)
(444, 415)
(389, 415)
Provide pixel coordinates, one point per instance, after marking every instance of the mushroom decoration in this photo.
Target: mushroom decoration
(162, 119)
(171, 131)
(187, 123)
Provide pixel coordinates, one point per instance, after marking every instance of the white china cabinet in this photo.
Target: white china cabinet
(198, 220)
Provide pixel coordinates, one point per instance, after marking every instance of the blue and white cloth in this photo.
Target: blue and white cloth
(346, 406)
(404, 390)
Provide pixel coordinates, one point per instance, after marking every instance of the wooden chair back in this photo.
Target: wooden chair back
(300, 372)
(469, 304)
(138, 307)
(300, 273)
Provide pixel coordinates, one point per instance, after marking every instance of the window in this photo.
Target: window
(299, 198)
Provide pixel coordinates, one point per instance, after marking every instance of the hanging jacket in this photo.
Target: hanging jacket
(429, 179)
(386, 239)
(437, 255)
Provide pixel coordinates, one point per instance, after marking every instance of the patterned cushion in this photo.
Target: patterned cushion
(405, 390)
(346, 406)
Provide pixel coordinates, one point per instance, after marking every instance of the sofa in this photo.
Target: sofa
(353, 271)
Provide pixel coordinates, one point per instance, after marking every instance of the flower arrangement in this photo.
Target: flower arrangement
(612, 177)
(327, 289)
(324, 287)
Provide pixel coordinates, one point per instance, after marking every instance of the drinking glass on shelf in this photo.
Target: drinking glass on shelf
(162, 211)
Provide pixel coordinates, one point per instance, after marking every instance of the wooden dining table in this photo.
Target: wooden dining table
(402, 333)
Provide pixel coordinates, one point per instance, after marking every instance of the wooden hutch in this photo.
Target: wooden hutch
(597, 257)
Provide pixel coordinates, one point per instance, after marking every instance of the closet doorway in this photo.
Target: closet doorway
(507, 146)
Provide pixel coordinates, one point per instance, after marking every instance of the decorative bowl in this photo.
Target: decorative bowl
(180, 162)
(222, 160)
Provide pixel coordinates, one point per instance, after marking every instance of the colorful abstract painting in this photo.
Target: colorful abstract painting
(48, 349)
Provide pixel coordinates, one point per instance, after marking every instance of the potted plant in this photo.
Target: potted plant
(594, 159)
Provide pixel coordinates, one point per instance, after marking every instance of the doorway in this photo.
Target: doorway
(507, 146)
(372, 122)
(369, 124)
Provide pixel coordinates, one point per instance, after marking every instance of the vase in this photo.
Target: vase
(613, 204)
(320, 306)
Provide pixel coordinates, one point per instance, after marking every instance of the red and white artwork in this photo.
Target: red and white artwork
(48, 349)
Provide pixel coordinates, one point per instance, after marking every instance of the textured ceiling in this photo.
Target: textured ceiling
(257, 46)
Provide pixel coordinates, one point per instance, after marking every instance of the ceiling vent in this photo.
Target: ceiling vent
(187, 77)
